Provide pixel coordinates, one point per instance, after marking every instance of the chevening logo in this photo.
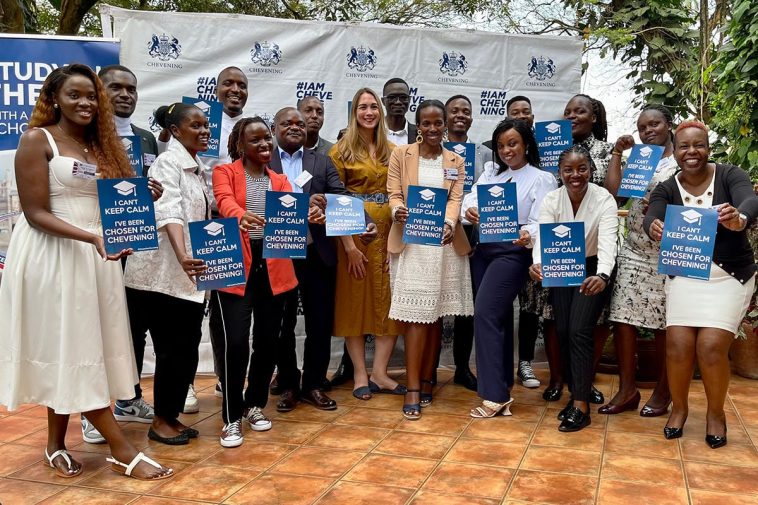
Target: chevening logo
(288, 201)
(164, 47)
(361, 59)
(453, 63)
(266, 53)
(541, 68)
(646, 151)
(553, 129)
(344, 200)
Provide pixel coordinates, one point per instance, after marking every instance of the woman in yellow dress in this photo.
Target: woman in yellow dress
(363, 282)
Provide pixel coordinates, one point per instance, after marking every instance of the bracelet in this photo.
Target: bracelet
(605, 277)
(615, 153)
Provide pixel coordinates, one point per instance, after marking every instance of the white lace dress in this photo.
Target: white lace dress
(429, 282)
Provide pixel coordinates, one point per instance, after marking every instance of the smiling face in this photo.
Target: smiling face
(459, 118)
(232, 91)
(691, 149)
(579, 112)
(575, 170)
(397, 99)
(431, 125)
(313, 112)
(192, 131)
(367, 112)
(121, 88)
(653, 128)
(289, 127)
(521, 110)
(256, 143)
(511, 149)
(77, 100)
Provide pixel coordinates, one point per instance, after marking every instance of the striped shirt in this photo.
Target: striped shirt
(255, 200)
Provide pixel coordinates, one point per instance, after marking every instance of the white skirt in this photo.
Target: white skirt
(720, 302)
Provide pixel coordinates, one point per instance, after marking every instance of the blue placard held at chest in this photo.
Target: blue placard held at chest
(563, 255)
(285, 234)
(127, 214)
(133, 146)
(639, 170)
(553, 137)
(213, 111)
(217, 242)
(467, 151)
(498, 212)
(426, 215)
(344, 215)
(689, 235)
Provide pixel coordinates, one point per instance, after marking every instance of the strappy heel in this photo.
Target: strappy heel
(426, 398)
(491, 409)
(412, 411)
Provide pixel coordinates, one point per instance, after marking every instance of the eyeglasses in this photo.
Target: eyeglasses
(397, 98)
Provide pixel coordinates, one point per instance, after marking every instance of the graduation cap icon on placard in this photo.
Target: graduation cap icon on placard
(459, 149)
(562, 231)
(427, 194)
(496, 191)
(344, 200)
(125, 188)
(646, 151)
(288, 201)
(203, 106)
(553, 128)
(127, 143)
(692, 216)
(214, 229)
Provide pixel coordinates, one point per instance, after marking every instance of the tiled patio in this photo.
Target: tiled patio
(365, 452)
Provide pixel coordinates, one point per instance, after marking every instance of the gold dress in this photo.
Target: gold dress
(362, 305)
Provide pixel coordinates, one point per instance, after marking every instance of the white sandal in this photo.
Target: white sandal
(69, 463)
(128, 468)
(491, 409)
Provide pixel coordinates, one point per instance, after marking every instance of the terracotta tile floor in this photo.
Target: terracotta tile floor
(366, 452)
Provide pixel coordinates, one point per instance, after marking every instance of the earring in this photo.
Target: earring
(419, 138)
(55, 106)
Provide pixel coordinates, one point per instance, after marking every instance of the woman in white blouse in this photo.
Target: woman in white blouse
(577, 308)
(161, 282)
(499, 269)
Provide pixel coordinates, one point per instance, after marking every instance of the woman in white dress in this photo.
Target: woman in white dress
(64, 341)
(428, 282)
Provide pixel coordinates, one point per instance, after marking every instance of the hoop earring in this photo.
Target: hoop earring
(419, 138)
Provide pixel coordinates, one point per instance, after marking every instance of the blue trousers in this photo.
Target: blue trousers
(499, 272)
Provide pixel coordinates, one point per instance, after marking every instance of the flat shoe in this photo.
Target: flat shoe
(596, 396)
(648, 411)
(116, 467)
(398, 390)
(552, 394)
(190, 432)
(180, 439)
(69, 463)
(362, 393)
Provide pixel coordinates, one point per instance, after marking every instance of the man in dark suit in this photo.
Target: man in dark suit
(396, 97)
(312, 110)
(314, 174)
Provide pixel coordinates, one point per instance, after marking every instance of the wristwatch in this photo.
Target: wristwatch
(605, 277)
(743, 217)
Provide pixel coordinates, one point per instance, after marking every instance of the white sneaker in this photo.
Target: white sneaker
(231, 434)
(137, 410)
(191, 405)
(257, 420)
(526, 375)
(90, 433)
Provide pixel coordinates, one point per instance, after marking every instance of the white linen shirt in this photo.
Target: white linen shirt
(400, 137)
(600, 215)
(532, 184)
(185, 199)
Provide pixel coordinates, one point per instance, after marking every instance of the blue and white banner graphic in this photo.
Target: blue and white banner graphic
(498, 212)
(213, 110)
(127, 214)
(217, 242)
(467, 151)
(553, 137)
(689, 235)
(285, 234)
(639, 170)
(344, 215)
(133, 146)
(426, 215)
(563, 258)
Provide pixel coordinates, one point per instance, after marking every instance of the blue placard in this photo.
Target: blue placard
(127, 214)
(553, 137)
(217, 242)
(498, 212)
(689, 235)
(133, 146)
(563, 257)
(467, 151)
(213, 110)
(426, 215)
(285, 234)
(639, 170)
(344, 215)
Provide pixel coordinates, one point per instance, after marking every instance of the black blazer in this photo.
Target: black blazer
(732, 250)
(148, 143)
(412, 132)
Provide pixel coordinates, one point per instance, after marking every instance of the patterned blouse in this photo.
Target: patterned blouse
(601, 155)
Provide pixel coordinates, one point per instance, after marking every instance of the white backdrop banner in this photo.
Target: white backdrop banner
(181, 54)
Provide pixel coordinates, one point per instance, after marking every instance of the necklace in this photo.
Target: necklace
(83, 148)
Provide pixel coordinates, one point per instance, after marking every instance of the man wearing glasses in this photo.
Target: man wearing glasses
(396, 99)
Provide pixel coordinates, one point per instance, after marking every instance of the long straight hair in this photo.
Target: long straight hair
(352, 147)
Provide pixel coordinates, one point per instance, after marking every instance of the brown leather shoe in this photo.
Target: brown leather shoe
(287, 401)
(319, 400)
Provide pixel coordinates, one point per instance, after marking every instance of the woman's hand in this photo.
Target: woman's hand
(524, 238)
(623, 143)
(99, 244)
(316, 215)
(729, 218)
(370, 234)
(592, 285)
(535, 272)
(155, 187)
(356, 263)
(192, 267)
(401, 214)
(318, 200)
(448, 233)
(472, 215)
(251, 221)
(656, 230)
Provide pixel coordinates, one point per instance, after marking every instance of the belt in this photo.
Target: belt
(372, 197)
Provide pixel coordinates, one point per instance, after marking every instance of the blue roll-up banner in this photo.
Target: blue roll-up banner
(639, 170)
(25, 63)
(344, 215)
(218, 243)
(563, 256)
(467, 151)
(285, 234)
(213, 111)
(553, 137)
(133, 146)
(689, 235)
(127, 214)
(498, 212)
(426, 215)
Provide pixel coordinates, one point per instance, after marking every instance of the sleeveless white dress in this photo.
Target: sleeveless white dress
(64, 329)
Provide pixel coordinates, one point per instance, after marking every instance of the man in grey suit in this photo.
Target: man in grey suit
(312, 110)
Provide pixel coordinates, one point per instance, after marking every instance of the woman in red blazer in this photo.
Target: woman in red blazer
(240, 190)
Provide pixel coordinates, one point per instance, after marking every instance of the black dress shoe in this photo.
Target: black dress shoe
(325, 385)
(319, 399)
(552, 393)
(597, 397)
(342, 375)
(715, 441)
(180, 439)
(274, 388)
(466, 379)
(671, 433)
(287, 401)
(575, 420)
(565, 410)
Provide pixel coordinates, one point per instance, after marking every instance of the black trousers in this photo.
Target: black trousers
(463, 329)
(230, 333)
(575, 320)
(317, 285)
(528, 329)
(499, 271)
(138, 323)
(176, 327)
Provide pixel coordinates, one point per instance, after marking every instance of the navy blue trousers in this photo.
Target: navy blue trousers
(499, 272)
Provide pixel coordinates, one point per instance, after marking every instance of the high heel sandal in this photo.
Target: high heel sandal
(426, 398)
(412, 411)
(491, 409)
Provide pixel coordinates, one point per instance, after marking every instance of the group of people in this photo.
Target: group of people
(68, 314)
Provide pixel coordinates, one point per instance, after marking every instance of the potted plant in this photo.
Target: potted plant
(744, 350)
